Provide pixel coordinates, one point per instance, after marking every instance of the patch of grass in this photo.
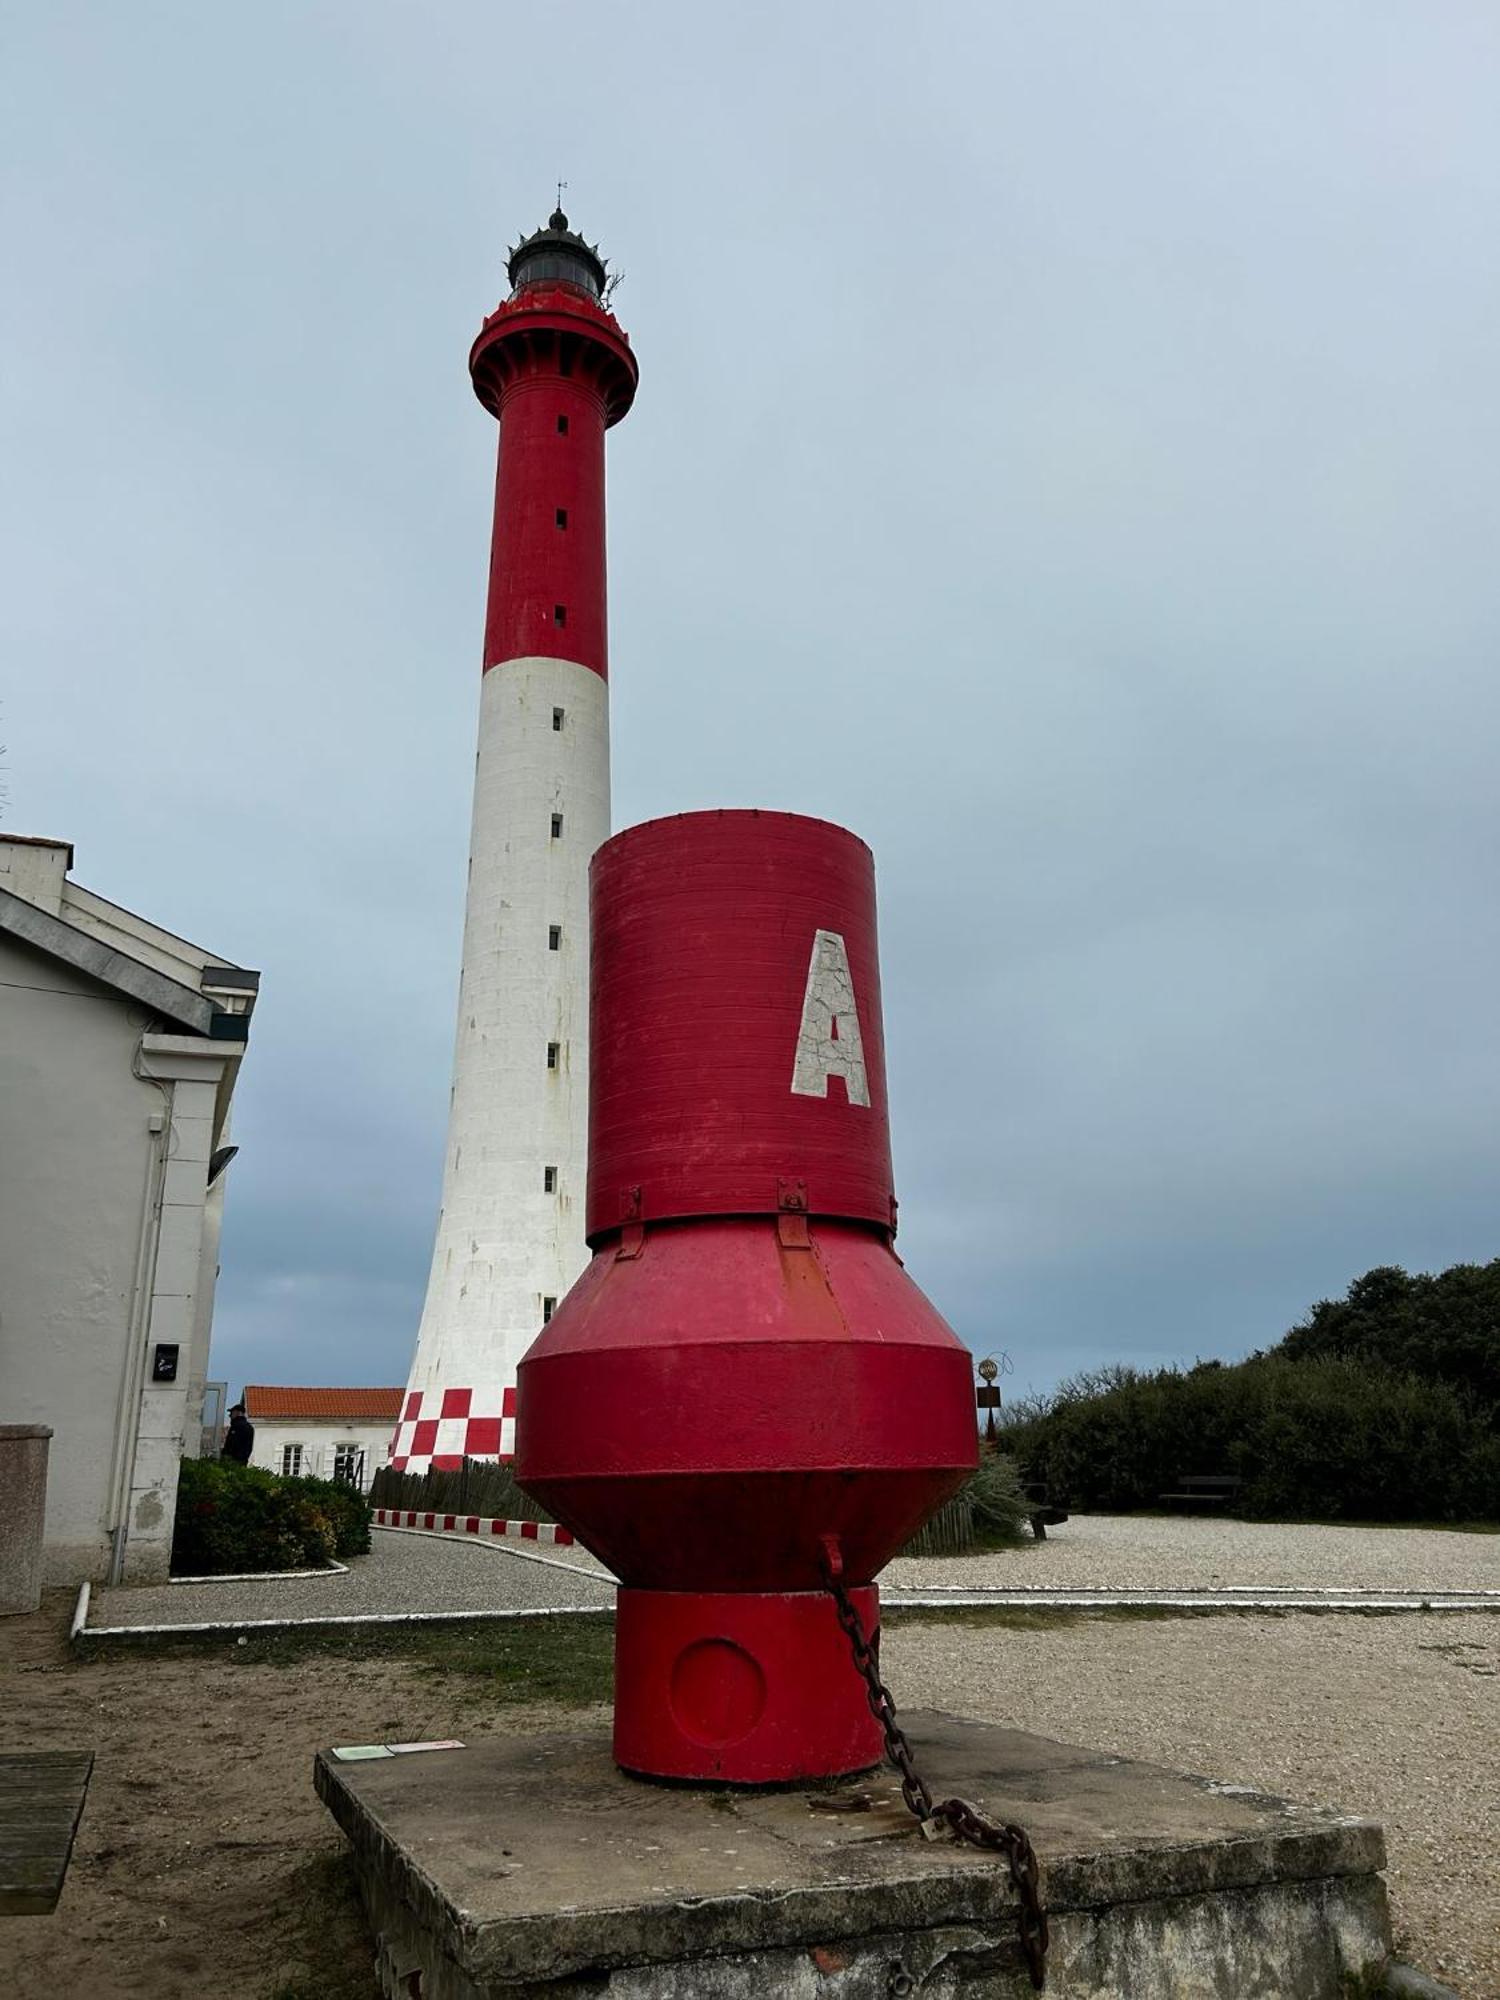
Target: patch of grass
(1212, 1514)
(561, 1660)
(327, 1950)
(1040, 1617)
(1433, 1527)
(564, 1660)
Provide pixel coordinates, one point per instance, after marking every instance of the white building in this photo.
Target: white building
(322, 1433)
(120, 1045)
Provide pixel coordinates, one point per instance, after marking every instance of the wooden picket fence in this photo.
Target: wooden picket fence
(478, 1486)
(950, 1532)
(487, 1487)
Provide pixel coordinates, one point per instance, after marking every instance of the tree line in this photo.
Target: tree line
(1380, 1406)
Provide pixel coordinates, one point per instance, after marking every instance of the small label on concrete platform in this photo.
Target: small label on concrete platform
(359, 1753)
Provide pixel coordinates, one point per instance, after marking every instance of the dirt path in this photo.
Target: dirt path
(204, 1862)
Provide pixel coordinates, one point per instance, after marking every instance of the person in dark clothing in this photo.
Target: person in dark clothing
(239, 1439)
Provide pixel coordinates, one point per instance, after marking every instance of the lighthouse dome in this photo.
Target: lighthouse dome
(557, 255)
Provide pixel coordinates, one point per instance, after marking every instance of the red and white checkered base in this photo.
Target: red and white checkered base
(472, 1524)
(440, 1428)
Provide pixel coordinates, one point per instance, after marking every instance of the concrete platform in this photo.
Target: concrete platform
(533, 1868)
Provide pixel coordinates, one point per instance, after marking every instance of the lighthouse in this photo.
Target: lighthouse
(552, 364)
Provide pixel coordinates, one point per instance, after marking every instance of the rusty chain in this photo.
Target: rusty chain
(964, 1821)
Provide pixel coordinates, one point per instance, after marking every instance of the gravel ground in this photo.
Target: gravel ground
(412, 1572)
(1394, 1717)
(1136, 1552)
(1120, 1552)
(401, 1573)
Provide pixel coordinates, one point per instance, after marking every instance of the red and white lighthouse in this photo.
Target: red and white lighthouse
(554, 366)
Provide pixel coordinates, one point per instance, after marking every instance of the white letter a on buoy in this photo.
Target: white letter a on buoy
(828, 1041)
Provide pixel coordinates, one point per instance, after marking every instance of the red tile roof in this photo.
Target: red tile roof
(383, 1405)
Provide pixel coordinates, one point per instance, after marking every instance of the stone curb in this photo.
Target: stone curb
(472, 1524)
(232, 1627)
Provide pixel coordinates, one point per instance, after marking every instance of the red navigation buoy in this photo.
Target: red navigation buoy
(744, 1385)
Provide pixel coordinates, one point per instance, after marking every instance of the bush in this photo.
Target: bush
(237, 1518)
(345, 1506)
(1000, 1507)
(1330, 1439)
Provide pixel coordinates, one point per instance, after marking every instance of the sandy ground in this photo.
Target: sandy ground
(204, 1862)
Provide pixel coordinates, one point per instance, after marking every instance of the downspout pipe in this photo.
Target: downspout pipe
(127, 1407)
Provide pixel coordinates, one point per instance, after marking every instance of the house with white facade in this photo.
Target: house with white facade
(120, 1048)
(323, 1433)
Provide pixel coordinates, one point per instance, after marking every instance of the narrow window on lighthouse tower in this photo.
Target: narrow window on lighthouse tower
(557, 826)
(549, 1307)
(559, 614)
(557, 718)
(562, 427)
(549, 1180)
(554, 1050)
(554, 937)
(562, 517)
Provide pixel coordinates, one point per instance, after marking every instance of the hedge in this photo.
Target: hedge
(234, 1519)
(1330, 1439)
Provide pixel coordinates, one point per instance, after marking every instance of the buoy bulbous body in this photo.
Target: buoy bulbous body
(702, 1413)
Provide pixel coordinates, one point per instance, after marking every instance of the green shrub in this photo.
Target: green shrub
(999, 1506)
(347, 1510)
(237, 1518)
(1331, 1438)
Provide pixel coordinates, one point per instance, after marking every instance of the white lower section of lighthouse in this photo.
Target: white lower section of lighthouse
(510, 1235)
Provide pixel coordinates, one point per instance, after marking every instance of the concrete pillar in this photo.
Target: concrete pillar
(23, 1514)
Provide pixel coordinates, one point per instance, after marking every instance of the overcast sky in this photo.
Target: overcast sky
(1066, 454)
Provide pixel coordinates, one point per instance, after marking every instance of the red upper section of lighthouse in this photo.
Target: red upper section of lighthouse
(554, 366)
(736, 1055)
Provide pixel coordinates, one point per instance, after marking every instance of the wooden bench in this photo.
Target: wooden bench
(41, 1802)
(1204, 1489)
(1041, 1512)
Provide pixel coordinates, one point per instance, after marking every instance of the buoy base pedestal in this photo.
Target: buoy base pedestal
(741, 1687)
(618, 1890)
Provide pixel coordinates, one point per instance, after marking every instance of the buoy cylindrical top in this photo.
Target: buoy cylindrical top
(738, 1059)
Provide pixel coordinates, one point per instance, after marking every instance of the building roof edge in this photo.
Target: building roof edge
(76, 948)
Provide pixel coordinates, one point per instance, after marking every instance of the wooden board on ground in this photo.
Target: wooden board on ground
(41, 1802)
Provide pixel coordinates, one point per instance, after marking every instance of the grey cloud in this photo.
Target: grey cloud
(1064, 453)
